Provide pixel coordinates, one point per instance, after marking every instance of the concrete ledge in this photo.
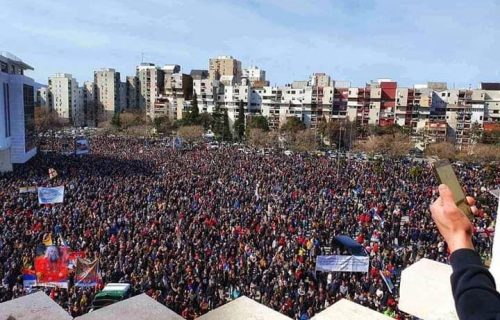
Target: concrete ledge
(141, 307)
(425, 291)
(243, 308)
(348, 310)
(33, 307)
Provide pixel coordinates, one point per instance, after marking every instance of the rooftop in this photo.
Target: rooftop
(8, 57)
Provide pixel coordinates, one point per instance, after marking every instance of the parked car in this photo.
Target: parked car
(111, 293)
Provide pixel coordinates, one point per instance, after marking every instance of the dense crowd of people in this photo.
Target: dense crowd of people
(195, 229)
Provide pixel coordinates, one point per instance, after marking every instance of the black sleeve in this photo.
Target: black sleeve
(473, 287)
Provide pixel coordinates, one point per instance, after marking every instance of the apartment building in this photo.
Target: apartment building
(88, 103)
(491, 101)
(267, 100)
(151, 83)
(176, 96)
(17, 106)
(64, 98)
(225, 67)
(256, 76)
(42, 97)
(106, 93)
(207, 92)
(132, 93)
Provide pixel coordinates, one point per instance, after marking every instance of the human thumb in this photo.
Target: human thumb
(446, 194)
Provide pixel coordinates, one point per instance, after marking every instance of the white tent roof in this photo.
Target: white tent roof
(33, 307)
(140, 307)
(425, 291)
(348, 310)
(243, 308)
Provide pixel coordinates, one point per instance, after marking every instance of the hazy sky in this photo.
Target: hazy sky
(411, 41)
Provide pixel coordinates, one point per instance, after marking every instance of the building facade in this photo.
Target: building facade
(150, 78)
(225, 66)
(106, 93)
(64, 98)
(17, 105)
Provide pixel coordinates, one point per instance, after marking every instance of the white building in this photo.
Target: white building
(17, 105)
(206, 92)
(106, 92)
(151, 84)
(256, 76)
(65, 99)
(42, 97)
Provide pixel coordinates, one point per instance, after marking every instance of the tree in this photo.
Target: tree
(293, 125)
(257, 138)
(226, 130)
(239, 124)
(206, 120)
(371, 145)
(163, 124)
(340, 133)
(398, 144)
(190, 133)
(441, 150)
(192, 115)
(258, 122)
(484, 153)
(395, 145)
(47, 119)
(115, 121)
(131, 119)
(305, 141)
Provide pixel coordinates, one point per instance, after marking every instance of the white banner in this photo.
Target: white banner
(51, 195)
(342, 263)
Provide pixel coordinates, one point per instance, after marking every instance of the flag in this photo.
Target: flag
(387, 281)
(29, 278)
(52, 173)
(47, 240)
(73, 257)
(87, 273)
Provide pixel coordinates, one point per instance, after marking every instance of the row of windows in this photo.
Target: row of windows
(6, 109)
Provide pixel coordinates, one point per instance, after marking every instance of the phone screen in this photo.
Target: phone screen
(446, 175)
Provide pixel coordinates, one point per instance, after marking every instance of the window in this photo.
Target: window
(29, 117)
(6, 109)
(443, 94)
(449, 94)
(3, 67)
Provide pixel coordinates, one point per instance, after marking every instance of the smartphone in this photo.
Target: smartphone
(445, 175)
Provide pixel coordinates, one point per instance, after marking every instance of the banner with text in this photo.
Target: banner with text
(342, 263)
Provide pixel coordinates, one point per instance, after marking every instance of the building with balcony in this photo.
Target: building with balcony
(151, 84)
(17, 106)
(256, 76)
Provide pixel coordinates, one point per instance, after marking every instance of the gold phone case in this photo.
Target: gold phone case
(446, 175)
